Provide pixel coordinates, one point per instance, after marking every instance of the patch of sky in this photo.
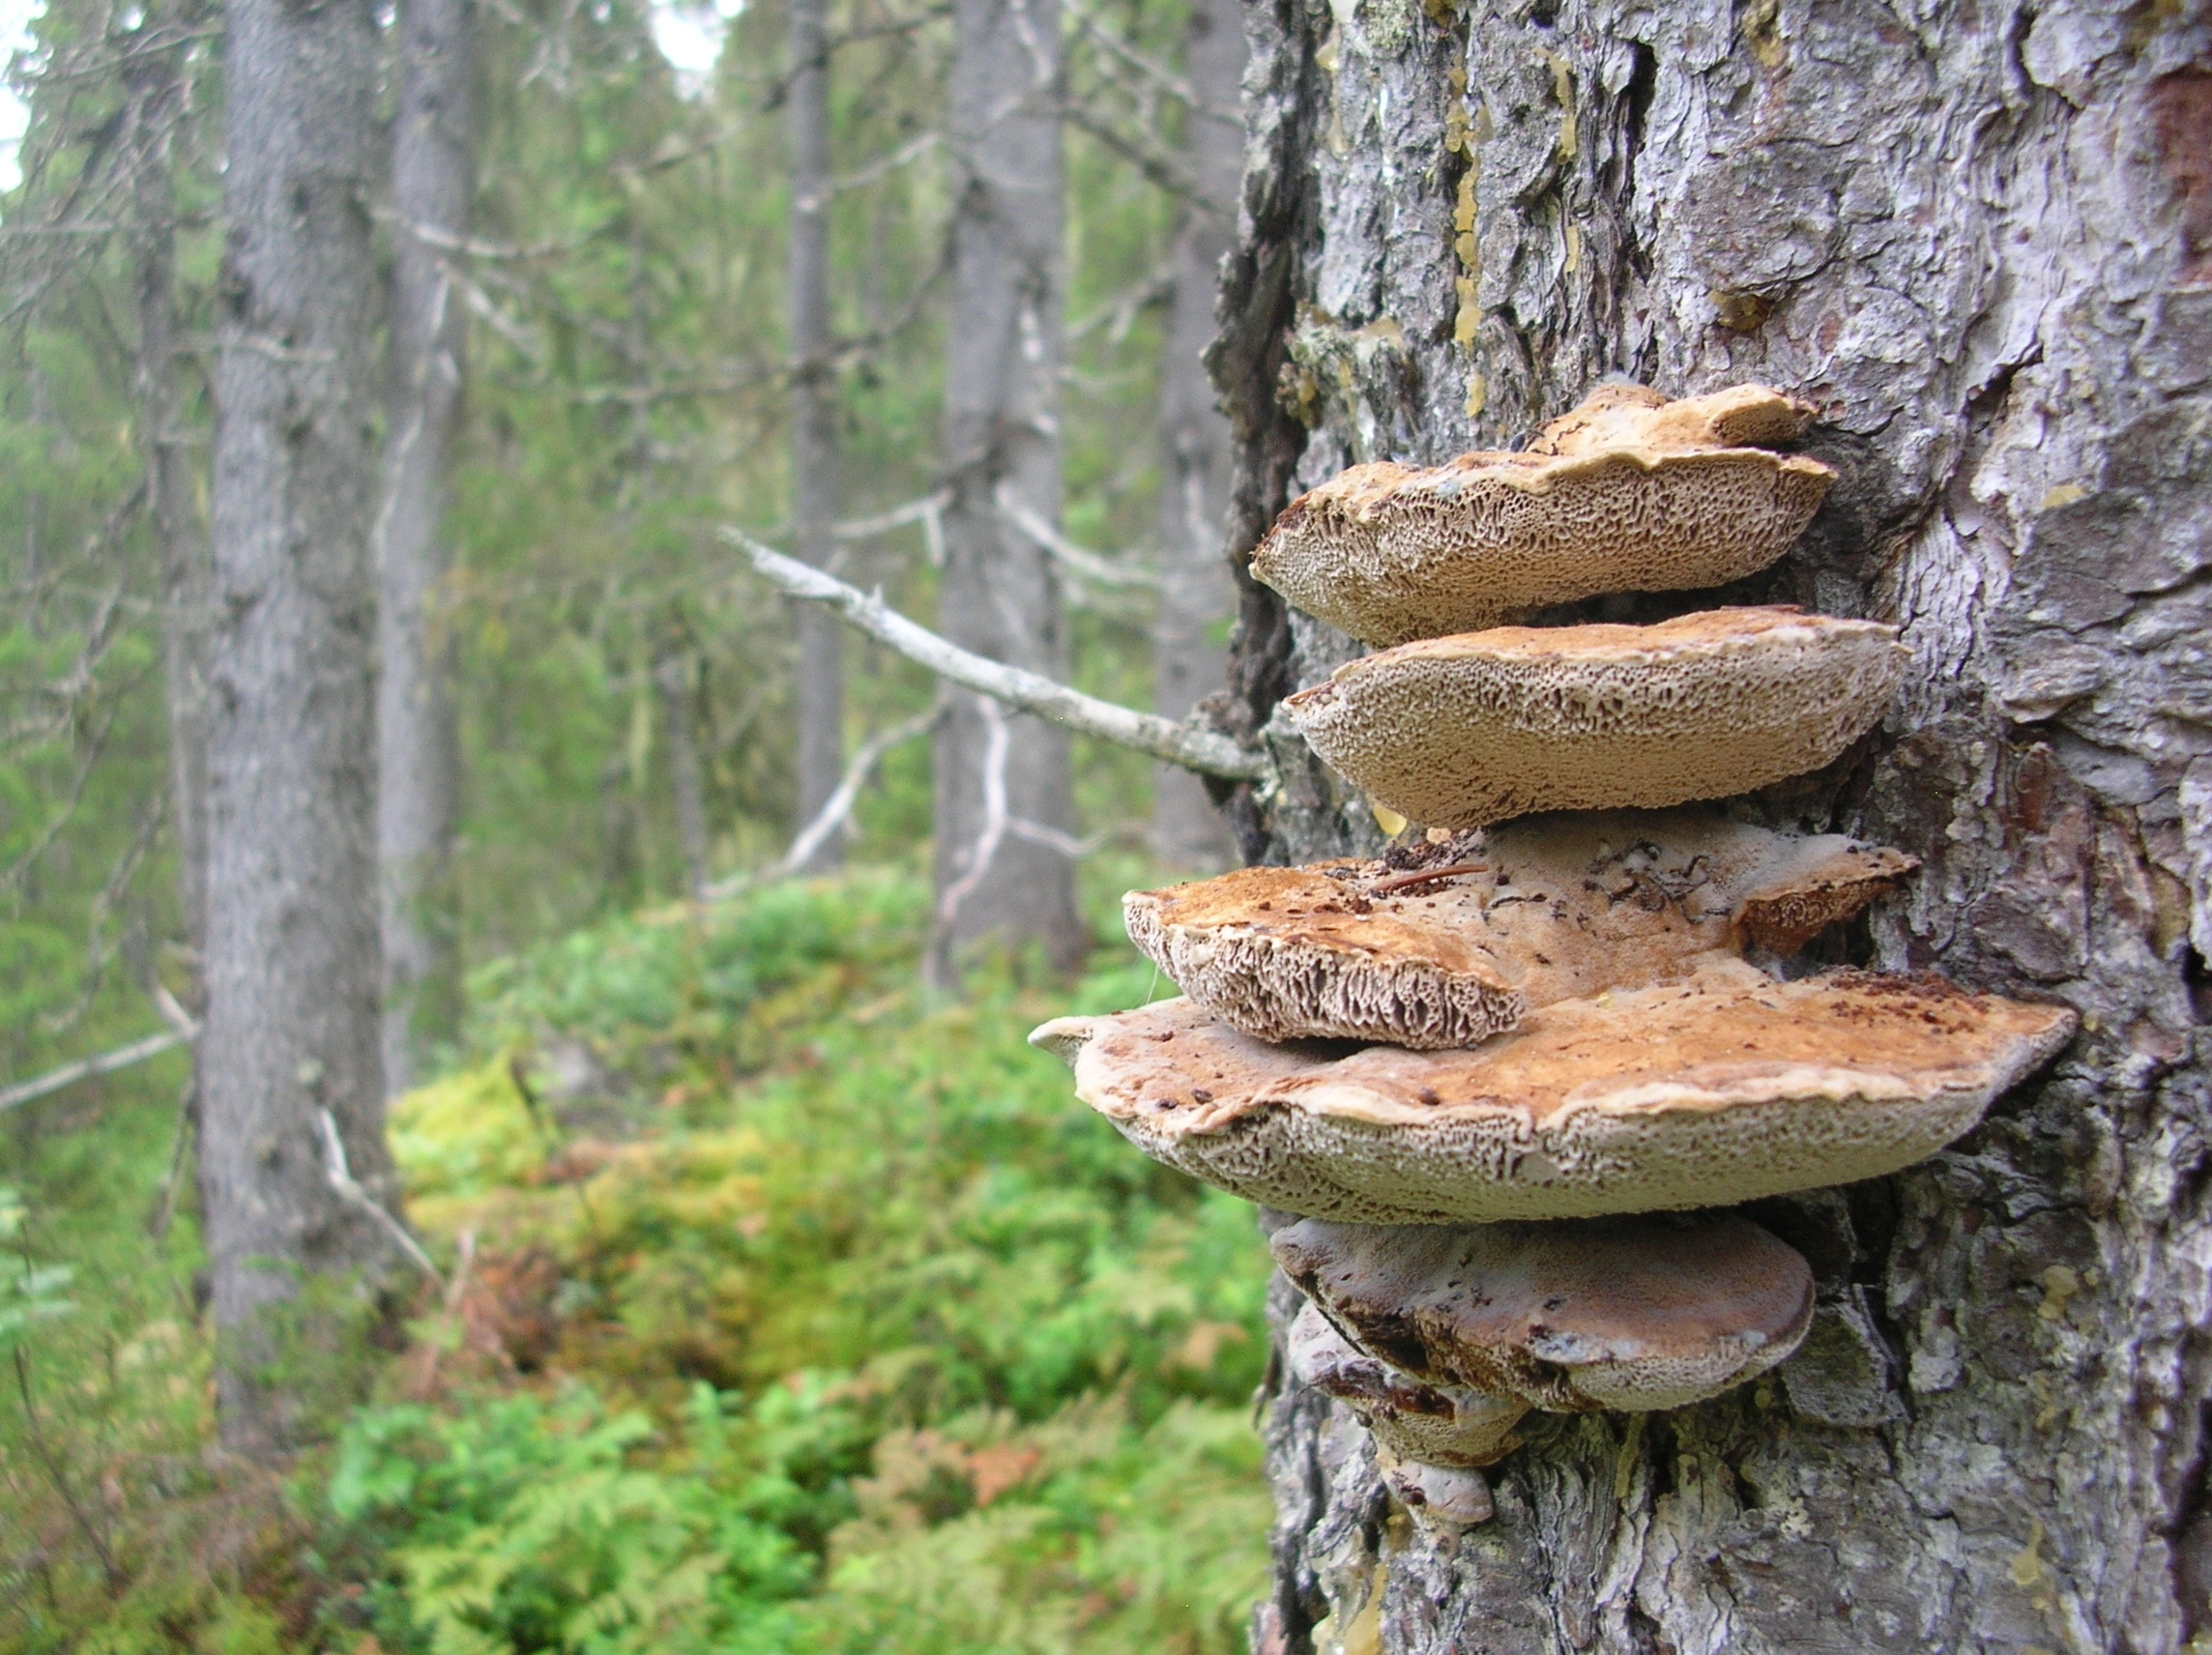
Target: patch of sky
(690, 35)
(15, 20)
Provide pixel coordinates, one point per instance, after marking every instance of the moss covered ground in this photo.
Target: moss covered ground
(783, 1308)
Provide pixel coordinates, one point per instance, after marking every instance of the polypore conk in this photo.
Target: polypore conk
(1721, 1088)
(1463, 731)
(1635, 1314)
(1628, 493)
(1537, 912)
(1415, 1419)
(1637, 416)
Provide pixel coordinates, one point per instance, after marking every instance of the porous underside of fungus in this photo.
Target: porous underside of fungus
(1439, 1425)
(1720, 1088)
(1285, 953)
(1463, 731)
(1536, 911)
(1617, 497)
(1636, 1314)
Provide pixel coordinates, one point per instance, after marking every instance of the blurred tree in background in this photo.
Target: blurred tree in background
(959, 1370)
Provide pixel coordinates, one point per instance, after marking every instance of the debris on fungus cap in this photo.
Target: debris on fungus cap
(1587, 901)
(1622, 494)
(1455, 950)
(1459, 731)
(1413, 1419)
(1634, 1313)
(1723, 1087)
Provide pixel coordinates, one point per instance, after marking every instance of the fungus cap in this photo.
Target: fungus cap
(1636, 1314)
(1618, 496)
(1413, 1419)
(1635, 416)
(1543, 910)
(1459, 731)
(1721, 1088)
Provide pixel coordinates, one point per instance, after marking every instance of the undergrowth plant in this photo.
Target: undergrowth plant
(786, 1309)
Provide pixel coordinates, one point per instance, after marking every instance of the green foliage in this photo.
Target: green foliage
(916, 1356)
(29, 1292)
(526, 1525)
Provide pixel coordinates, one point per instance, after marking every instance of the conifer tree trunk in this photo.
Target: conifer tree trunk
(1195, 596)
(293, 963)
(1980, 238)
(678, 676)
(813, 420)
(156, 80)
(1000, 778)
(433, 178)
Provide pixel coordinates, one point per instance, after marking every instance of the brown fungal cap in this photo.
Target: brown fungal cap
(1285, 953)
(1620, 496)
(1462, 731)
(1635, 416)
(1720, 1088)
(1827, 884)
(1611, 1313)
(1415, 1419)
(1544, 910)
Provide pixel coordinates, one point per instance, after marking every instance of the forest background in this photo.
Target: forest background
(779, 1300)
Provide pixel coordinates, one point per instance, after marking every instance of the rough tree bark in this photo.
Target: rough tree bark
(293, 963)
(813, 418)
(1196, 594)
(433, 180)
(1980, 238)
(1000, 778)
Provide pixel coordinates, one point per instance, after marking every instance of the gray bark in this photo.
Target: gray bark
(677, 677)
(158, 89)
(1977, 236)
(1000, 595)
(292, 963)
(814, 490)
(433, 179)
(1196, 594)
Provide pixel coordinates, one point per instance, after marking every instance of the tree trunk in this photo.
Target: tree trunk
(293, 965)
(1980, 239)
(1001, 779)
(814, 421)
(155, 77)
(678, 676)
(433, 180)
(1196, 594)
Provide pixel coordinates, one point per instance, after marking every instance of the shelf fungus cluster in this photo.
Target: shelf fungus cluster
(1492, 1090)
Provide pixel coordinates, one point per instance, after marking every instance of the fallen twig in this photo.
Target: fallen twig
(349, 1190)
(1422, 875)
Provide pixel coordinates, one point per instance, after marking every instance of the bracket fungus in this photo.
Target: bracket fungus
(1415, 1418)
(1634, 1313)
(1480, 1082)
(1463, 731)
(1720, 1088)
(1628, 493)
(1452, 951)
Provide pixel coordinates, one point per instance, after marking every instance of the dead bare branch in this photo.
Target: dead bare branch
(836, 809)
(1209, 752)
